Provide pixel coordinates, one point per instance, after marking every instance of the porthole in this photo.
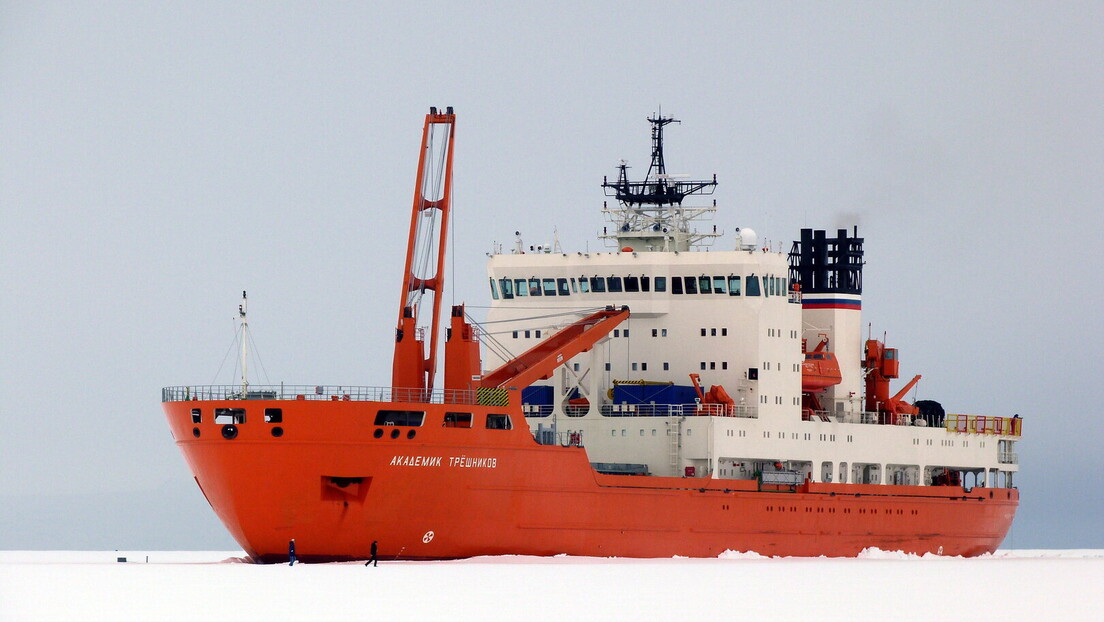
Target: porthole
(411, 433)
(229, 431)
(378, 433)
(195, 433)
(394, 434)
(277, 431)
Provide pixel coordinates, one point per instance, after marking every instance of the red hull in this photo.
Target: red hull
(447, 492)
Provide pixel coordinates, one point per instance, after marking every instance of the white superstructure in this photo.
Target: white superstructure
(737, 318)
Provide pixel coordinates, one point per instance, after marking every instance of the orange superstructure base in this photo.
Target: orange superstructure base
(335, 482)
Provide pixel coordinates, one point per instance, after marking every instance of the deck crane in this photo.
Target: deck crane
(425, 255)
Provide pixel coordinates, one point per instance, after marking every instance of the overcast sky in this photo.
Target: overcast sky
(158, 158)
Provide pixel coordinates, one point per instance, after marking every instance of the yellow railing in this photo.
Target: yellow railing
(979, 424)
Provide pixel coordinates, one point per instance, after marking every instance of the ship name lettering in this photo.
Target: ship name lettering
(468, 462)
(416, 461)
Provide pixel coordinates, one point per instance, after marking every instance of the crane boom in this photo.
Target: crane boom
(425, 255)
(538, 362)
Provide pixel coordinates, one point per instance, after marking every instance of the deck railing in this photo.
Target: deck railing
(977, 424)
(316, 392)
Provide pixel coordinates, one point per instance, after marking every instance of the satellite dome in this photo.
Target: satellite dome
(748, 239)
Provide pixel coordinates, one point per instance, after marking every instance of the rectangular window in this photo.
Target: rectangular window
(598, 284)
(626, 333)
(521, 287)
(643, 367)
(526, 334)
(576, 366)
(515, 334)
(676, 284)
(703, 285)
(607, 366)
(549, 287)
(724, 365)
(690, 284)
(229, 415)
(712, 332)
(663, 332)
(666, 367)
(660, 283)
(645, 284)
(703, 365)
(733, 286)
(614, 284)
(411, 418)
(584, 285)
(724, 332)
(720, 285)
(561, 285)
(498, 422)
(617, 332)
(655, 332)
(197, 415)
(274, 415)
(752, 283)
(634, 366)
(507, 289)
(534, 287)
(537, 334)
(494, 290)
(574, 286)
(712, 364)
(458, 420)
(703, 332)
(632, 284)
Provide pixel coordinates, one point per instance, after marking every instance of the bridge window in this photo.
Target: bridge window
(632, 284)
(274, 415)
(645, 284)
(197, 415)
(522, 287)
(494, 290)
(720, 285)
(549, 287)
(507, 287)
(534, 287)
(598, 284)
(676, 284)
(561, 285)
(498, 422)
(752, 283)
(660, 284)
(733, 286)
(614, 284)
(458, 420)
(574, 286)
(584, 285)
(690, 284)
(400, 417)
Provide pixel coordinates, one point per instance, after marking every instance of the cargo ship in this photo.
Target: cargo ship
(672, 395)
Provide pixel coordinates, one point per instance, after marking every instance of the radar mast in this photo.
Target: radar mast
(649, 215)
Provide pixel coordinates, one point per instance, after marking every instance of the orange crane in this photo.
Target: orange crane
(411, 367)
(881, 366)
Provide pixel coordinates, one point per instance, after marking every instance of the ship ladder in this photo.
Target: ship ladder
(673, 436)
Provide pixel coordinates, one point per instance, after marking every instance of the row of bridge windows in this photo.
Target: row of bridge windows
(751, 285)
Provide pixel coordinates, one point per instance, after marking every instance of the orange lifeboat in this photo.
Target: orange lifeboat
(820, 369)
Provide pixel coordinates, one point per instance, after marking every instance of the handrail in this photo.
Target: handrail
(316, 392)
(980, 424)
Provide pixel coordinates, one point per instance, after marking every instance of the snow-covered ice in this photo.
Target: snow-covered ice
(174, 585)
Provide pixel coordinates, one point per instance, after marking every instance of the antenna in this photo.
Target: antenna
(243, 309)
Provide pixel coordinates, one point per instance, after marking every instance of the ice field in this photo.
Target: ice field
(176, 585)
